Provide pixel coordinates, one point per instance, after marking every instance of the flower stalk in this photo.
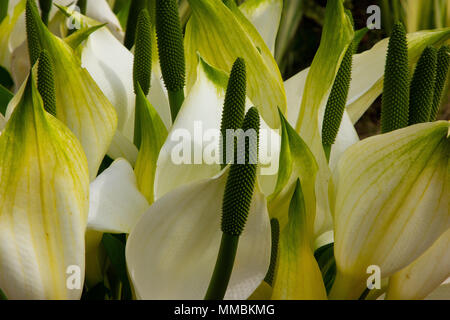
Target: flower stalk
(45, 6)
(235, 208)
(135, 9)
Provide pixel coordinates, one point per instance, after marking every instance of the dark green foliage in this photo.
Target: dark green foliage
(234, 106)
(82, 5)
(241, 181)
(422, 87)
(142, 68)
(3, 9)
(327, 264)
(115, 250)
(395, 103)
(135, 9)
(443, 64)
(275, 227)
(45, 6)
(338, 99)
(5, 98)
(6, 79)
(170, 44)
(34, 45)
(46, 82)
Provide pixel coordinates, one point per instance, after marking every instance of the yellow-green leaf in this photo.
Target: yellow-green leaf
(153, 135)
(296, 162)
(424, 275)
(391, 202)
(220, 36)
(336, 37)
(80, 104)
(298, 276)
(265, 15)
(44, 187)
(12, 33)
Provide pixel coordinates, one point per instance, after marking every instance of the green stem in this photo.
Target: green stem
(224, 267)
(327, 150)
(364, 294)
(45, 6)
(82, 5)
(130, 34)
(137, 127)
(176, 99)
(3, 10)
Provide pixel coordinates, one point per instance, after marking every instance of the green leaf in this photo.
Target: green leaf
(3, 9)
(5, 78)
(359, 35)
(296, 161)
(153, 134)
(77, 38)
(298, 275)
(325, 258)
(265, 15)
(115, 250)
(121, 9)
(80, 104)
(97, 293)
(42, 225)
(3, 295)
(5, 98)
(220, 36)
(336, 37)
(391, 202)
(7, 26)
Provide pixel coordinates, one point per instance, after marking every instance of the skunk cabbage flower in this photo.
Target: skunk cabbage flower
(44, 197)
(390, 189)
(13, 36)
(12, 31)
(424, 275)
(220, 35)
(165, 190)
(80, 104)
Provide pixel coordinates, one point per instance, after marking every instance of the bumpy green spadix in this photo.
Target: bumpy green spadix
(234, 107)
(337, 101)
(443, 64)
(235, 207)
(422, 87)
(275, 227)
(130, 34)
(34, 45)
(171, 52)
(45, 6)
(395, 103)
(46, 82)
(241, 180)
(142, 67)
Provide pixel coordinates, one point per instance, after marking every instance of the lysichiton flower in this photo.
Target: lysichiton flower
(199, 224)
(44, 197)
